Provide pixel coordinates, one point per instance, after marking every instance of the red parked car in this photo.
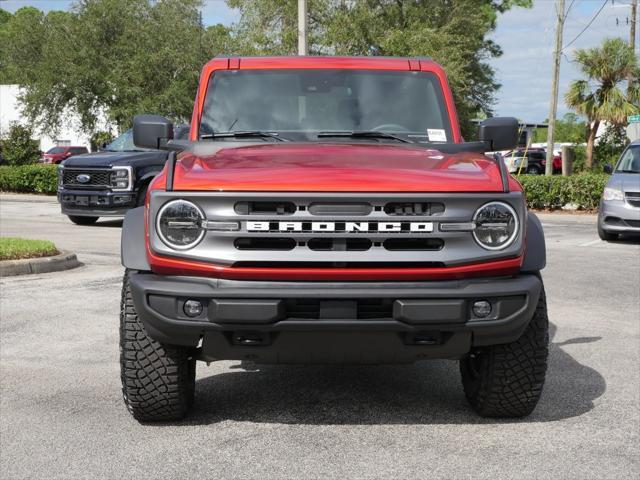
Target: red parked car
(58, 154)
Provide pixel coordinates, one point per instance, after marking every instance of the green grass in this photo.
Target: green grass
(16, 248)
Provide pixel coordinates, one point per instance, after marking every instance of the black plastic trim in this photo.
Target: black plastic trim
(535, 256)
(171, 166)
(132, 246)
(495, 330)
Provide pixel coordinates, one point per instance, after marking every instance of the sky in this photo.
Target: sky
(527, 38)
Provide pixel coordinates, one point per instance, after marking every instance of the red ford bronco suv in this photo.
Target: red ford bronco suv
(327, 210)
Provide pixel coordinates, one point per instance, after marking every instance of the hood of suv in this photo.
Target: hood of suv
(627, 182)
(331, 167)
(108, 159)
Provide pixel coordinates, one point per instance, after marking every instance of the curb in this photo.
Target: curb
(56, 263)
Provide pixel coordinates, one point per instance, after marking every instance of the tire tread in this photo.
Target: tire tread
(512, 375)
(158, 380)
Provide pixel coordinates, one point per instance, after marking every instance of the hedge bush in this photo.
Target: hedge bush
(583, 190)
(29, 179)
(17, 145)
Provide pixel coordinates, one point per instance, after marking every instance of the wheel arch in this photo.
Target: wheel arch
(133, 247)
(535, 256)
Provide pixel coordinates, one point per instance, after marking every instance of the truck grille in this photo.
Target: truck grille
(97, 178)
(633, 198)
(336, 230)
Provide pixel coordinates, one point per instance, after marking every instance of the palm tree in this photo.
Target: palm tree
(601, 97)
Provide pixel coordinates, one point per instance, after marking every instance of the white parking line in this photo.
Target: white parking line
(592, 242)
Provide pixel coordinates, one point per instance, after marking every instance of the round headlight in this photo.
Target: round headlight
(496, 226)
(179, 224)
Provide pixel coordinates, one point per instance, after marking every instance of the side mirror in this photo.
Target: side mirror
(608, 169)
(499, 133)
(151, 131)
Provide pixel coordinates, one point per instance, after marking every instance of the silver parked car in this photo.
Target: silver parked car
(620, 205)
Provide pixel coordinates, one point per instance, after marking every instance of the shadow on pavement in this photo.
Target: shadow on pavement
(112, 222)
(425, 393)
(627, 238)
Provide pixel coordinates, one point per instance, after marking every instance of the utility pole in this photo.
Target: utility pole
(302, 28)
(632, 36)
(561, 17)
(634, 21)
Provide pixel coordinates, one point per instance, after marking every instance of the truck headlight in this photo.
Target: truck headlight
(495, 226)
(121, 178)
(612, 194)
(179, 224)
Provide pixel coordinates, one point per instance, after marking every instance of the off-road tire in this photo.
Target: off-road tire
(79, 220)
(158, 380)
(533, 170)
(506, 380)
(604, 235)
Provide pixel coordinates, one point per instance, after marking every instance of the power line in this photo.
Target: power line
(587, 25)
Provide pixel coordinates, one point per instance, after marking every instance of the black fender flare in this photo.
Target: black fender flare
(535, 255)
(133, 251)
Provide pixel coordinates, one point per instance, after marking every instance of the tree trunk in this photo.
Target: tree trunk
(591, 140)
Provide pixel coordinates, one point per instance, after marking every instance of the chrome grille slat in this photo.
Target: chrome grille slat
(633, 198)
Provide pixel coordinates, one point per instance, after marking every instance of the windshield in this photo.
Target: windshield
(630, 160)
(123, 143)
(300, 104)
(56, 150)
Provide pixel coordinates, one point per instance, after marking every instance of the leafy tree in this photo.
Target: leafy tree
(113, 58)
(98, 139)
(610, 146)
(18, 147)
(601, 96)
(452, 32)
(5, 77)
(568, 129)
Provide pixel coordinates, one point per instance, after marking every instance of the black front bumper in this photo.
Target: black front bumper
(96, 203)
(313, 322)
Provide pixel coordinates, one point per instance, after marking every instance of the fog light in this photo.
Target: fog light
(192, 308)
(481, 308)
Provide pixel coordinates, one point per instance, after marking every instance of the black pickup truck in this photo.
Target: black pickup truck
(109, 182)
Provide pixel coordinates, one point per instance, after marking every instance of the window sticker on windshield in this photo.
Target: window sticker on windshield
(436, 135)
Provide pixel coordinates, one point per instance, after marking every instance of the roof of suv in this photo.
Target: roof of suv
(310, 61)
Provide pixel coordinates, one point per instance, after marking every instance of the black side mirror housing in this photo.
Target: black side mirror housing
(608, 169)
(499, 133)
(152, 131)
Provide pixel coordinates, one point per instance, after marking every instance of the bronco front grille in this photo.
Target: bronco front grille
(336, 230)
(90, 178)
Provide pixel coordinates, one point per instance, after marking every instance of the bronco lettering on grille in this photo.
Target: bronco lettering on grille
(367, 227)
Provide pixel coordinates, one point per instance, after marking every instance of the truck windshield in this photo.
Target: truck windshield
(123, 143)
(630, 161)
(56, 150)
(301, 104)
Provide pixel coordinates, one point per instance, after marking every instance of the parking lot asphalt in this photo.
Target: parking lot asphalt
(62, 415)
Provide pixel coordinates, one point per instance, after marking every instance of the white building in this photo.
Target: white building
(69, 133)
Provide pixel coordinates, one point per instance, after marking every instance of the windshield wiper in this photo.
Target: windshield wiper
(628, 171)
(363, 134)
(244, 133)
